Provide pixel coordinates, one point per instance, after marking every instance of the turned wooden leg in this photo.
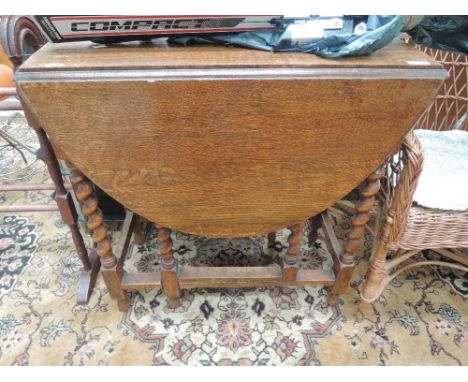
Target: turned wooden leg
(359, 220)
(376, 273)
(169, 279)
(314, 224)
(111, 271)
(62, 196)
(290, 262)
(67, 210)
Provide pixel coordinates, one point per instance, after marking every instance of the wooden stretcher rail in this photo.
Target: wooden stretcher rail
(229, 277)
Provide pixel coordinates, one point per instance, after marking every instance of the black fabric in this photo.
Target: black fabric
(449, 33)
(381, 30)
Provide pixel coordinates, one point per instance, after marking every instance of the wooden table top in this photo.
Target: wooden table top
(226, 142)
(132, 56)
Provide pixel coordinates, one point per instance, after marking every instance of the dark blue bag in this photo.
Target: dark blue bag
(380, 31)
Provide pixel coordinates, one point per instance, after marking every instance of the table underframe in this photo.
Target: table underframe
(172, 278)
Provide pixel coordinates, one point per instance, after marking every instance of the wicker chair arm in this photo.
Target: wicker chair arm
(397, 214)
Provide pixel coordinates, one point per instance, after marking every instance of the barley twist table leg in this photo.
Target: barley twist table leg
(111, 272)
(290, 265)
(169, 279)
(367, 192)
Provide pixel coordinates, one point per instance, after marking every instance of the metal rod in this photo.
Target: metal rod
(7, 91)
(10, 105)
(12, 143)
(29, 208)
(7, 137)
(30, 187)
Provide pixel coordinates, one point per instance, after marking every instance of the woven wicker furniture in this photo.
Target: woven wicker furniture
(450, 107)
(408, 228)
(405, 227)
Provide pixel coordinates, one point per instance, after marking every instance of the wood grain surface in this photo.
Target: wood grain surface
(226, 158)
(136, 55)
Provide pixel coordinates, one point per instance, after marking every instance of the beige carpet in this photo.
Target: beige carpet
(420, 320)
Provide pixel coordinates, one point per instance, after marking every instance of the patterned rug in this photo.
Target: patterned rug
(421, 319)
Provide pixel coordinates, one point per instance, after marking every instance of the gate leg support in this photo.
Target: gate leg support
(67, 210)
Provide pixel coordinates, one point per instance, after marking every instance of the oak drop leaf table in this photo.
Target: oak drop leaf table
(224, 142)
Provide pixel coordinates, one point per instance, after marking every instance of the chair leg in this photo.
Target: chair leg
(169, 279)
(111, 272)
(375, 276)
